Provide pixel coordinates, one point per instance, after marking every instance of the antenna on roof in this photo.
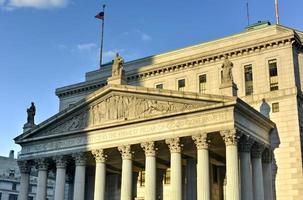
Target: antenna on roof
(277, 12)
(247, 12)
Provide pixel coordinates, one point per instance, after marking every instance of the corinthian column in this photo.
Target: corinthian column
(245, 166)
(203, 189)
(25, 169)
(232, 169)
(100, 175)
(150, 170)
(42, 166)
(175, 168)
(79, 184)
(127, 172)
(267, 174)
(60, 177)
(258, 188)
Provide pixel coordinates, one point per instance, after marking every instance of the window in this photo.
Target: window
(202, 83)
(0, 195)
(14, 186)
(11, 173)
(12, 197)
(142, 178)
(249, 88)
(181, 85)
(167, 177)
(273, 75)
(30, 198)
(275, 107)
(159, 86)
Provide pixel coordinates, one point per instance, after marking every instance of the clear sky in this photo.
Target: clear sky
(46, 44)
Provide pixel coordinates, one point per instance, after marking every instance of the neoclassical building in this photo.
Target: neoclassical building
(217, 120)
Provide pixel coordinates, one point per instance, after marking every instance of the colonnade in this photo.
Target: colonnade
(251, 179)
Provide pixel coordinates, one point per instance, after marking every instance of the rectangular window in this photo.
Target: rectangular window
(12, 197)
(14, 186)
(181, 85)
(273, 74)
(202, 83)
(30, 198)
(248, 75)
(0, 195)
(159, 86)
(275, 107)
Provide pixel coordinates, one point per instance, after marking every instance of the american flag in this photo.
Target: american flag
(100, 16)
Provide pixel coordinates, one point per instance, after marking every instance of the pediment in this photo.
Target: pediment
(116, 104)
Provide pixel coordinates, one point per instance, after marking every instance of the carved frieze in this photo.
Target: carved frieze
(119, 108)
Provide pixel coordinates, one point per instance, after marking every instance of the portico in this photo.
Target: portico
(121, 131)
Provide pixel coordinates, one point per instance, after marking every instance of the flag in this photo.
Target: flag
(100, 16)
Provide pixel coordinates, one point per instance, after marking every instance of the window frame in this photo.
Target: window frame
(177, 84)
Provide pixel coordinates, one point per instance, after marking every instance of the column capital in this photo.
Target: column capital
(174, 145)
(257, 150)
(245, 144)
(201, 141)
(24, 166)
(61, 161)
(267, 155)
(149, 148)
(99, 155)
(80, 158)
(126, 152)
(230, 137)
(41, 164)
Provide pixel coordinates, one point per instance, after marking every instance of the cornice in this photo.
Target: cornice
(210, 57)
(175, 65)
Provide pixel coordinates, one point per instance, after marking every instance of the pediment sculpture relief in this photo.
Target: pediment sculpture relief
(119, 108)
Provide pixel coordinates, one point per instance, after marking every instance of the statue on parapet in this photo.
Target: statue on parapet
(117, 68)
(227, 76)
(31, 112)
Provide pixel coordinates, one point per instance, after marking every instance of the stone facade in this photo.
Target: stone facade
(10, 181)
(173, 100)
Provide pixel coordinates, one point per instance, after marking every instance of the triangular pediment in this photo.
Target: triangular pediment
(118, 105)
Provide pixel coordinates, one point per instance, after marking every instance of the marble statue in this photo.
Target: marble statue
(227, 75)
(117, 65)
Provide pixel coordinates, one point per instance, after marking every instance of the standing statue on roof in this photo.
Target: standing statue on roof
(117, 67)
(227, 76)
(31, 112)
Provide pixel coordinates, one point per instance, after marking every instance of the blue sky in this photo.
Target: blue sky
(46, 44)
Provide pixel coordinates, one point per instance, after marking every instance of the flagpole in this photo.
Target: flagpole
(102, 36)
(247, 13)
(277, 12)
